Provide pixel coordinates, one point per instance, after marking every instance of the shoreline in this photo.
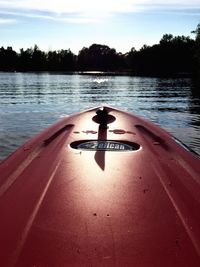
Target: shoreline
(107, 73)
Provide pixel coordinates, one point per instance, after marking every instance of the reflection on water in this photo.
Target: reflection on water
(30, 102)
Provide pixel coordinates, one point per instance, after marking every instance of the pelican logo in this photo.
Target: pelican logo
(105, 145)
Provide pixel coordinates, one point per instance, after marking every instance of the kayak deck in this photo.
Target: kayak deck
(93, 191)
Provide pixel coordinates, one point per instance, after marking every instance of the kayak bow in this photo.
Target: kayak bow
(100, 188)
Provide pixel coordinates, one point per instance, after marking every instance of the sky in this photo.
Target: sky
(74, 24)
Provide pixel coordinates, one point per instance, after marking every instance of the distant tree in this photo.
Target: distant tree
(99, 57)
(167, 38)
(130, 59)
(67, 60)
(172, 55)
(197, 51)
(53, 61)
(38, 59)
(25, 59)
(144, 47)
(8, 59)
(82, 61)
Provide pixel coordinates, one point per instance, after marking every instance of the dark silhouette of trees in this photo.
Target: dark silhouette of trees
(8, 59)
(197, 51)
(99, 57)
(52, 61)
(25, 60)
(67, 60)
(38, 59)
(32, 59)
(173, 55)
(178, 53)
(63, 60)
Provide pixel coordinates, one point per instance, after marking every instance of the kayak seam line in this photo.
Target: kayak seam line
(32, 217)
(180, 215)
(13, 177)
(183, 163)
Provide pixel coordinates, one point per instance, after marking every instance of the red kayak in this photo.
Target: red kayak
(100, 188)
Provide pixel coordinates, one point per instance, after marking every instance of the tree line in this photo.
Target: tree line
(173, 55)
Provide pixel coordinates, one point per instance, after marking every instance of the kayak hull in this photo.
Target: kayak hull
(87, 191)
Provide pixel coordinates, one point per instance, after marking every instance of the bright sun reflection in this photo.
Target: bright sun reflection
(100, 80)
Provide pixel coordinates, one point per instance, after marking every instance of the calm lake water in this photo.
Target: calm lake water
(29, 102)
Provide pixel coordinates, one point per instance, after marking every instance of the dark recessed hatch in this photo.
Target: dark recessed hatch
(105, 145)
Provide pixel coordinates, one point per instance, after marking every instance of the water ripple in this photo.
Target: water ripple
(29, 102)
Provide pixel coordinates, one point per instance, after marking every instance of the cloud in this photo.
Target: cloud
(89, 6)
(69, 6)
(92, 11)
(66, 18)
(7, 21)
